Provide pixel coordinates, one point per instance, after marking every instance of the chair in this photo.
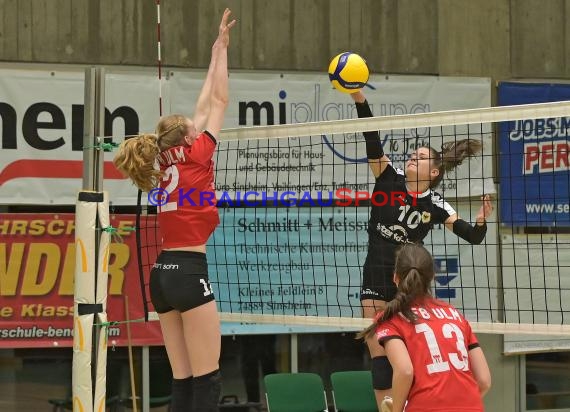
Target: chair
(295, 392)
(353, 391)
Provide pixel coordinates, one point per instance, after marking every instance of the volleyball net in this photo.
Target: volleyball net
(294, 204)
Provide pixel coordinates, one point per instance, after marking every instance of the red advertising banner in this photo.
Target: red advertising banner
(37, 263)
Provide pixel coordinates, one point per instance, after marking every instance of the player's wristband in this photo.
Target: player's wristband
(472, 234)
(374, 148)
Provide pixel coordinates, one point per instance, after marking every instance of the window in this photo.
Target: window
(548, 381)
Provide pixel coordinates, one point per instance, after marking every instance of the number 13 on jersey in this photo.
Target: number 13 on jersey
(459, 360)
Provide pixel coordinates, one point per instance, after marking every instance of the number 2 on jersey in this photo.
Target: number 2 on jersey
(170, 173)
(459, 360)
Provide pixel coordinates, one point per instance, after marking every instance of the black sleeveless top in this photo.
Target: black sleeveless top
(400, 216)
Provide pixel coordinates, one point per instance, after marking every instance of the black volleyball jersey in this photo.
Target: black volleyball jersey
(400, 216)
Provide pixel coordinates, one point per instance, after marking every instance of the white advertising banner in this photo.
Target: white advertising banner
(42, 123)
(326, 162)
(308, 261)
(41, 158)
(536, 288)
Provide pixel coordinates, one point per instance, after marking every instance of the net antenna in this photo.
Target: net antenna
(288, 253)
(142, 209)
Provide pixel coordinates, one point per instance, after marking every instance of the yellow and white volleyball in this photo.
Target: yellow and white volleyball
(348, 72)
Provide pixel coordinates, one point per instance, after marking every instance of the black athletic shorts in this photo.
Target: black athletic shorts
(179, 281)
(378, 277)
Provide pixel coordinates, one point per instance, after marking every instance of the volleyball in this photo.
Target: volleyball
(348, 72)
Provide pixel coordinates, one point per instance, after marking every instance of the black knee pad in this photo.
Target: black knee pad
(182, 394)
(207, 390)
(381, 373)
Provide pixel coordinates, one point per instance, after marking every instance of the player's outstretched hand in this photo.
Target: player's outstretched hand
(224, 30)
(486, 209)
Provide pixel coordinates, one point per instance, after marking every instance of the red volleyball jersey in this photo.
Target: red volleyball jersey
(438, 345)
(187, 211)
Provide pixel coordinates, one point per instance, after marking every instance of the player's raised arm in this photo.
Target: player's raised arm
(377, 160)
(203, 105)
(202, 110)
(219, 96)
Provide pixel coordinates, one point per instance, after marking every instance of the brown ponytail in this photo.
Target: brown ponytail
(415, 270)
(452, 155)
(136, 159)
(411, 287)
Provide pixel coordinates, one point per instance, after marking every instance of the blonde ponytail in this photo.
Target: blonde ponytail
(136, 159)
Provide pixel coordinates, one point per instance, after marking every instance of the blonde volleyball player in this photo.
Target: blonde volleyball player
(179, 286)
(395, 224)
(438, 364)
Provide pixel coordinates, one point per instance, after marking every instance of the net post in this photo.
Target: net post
(89, 346)
(93, 128)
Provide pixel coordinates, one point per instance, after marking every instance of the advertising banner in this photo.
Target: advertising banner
(42, 126)
(37, 262)
(293, 261)
(325, 162)
(536, 286)
(41, 147)
(308, 261)
(534, 159)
